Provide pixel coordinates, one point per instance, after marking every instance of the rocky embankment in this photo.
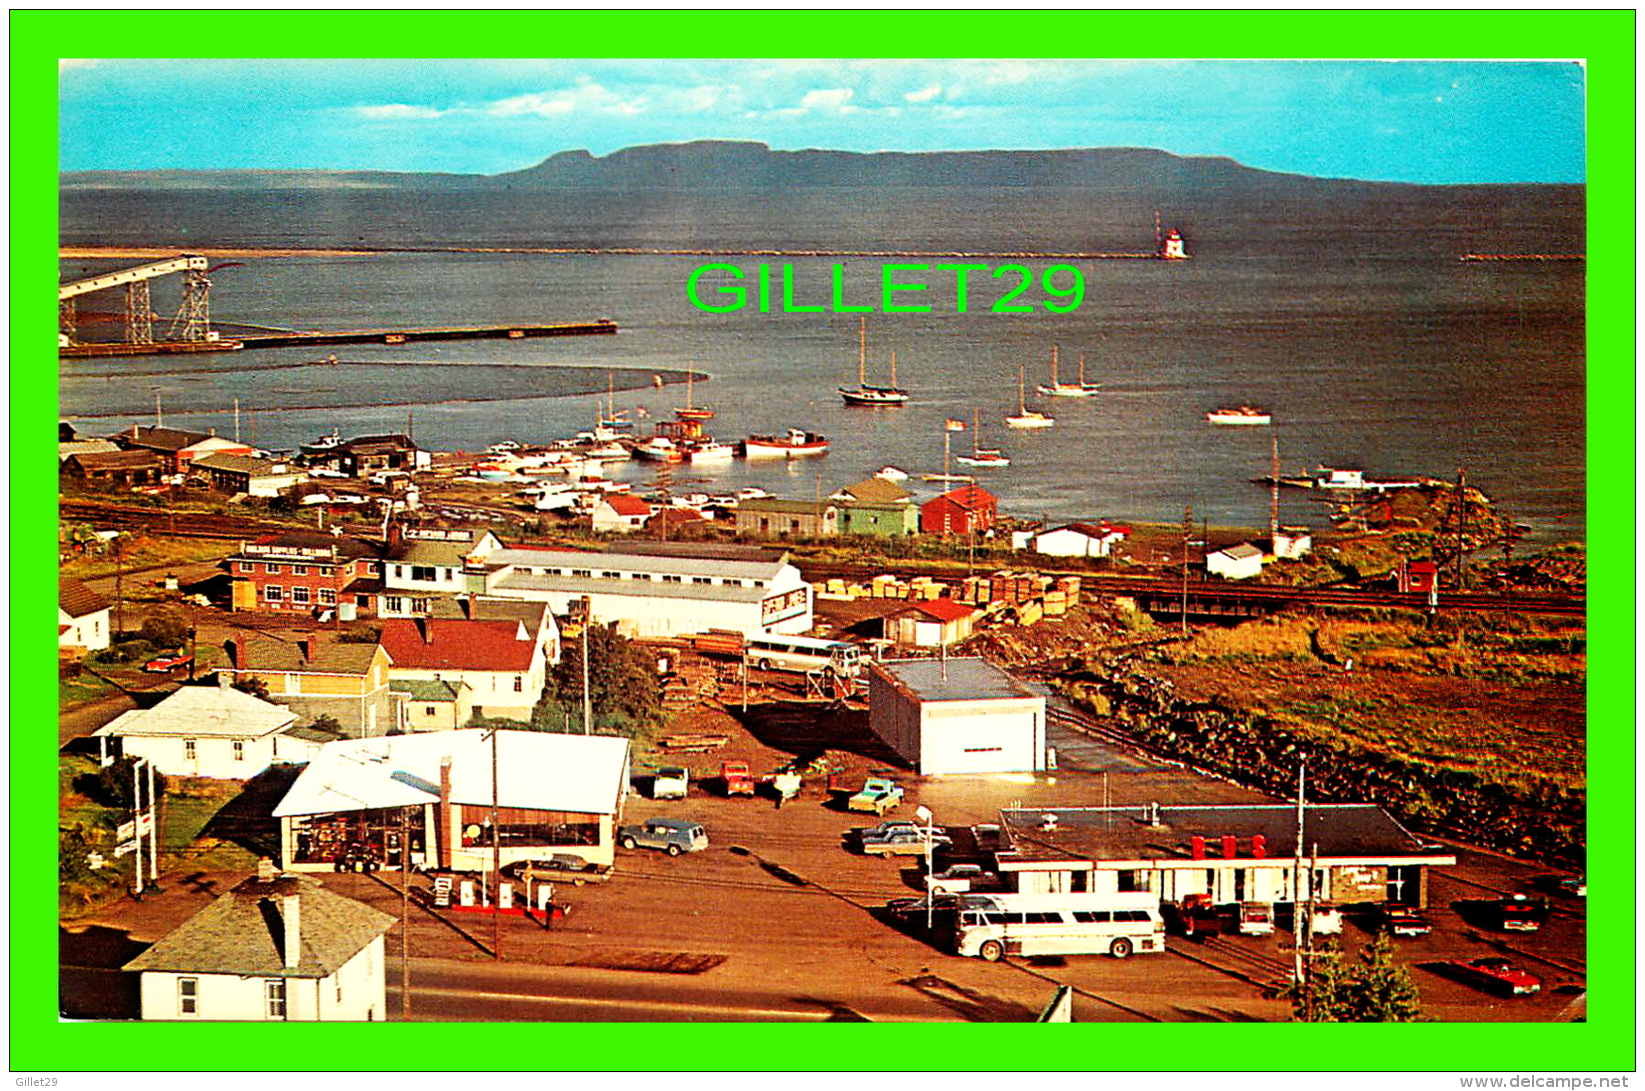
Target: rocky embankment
(1253, 751)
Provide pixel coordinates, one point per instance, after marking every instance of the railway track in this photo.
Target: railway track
(1169, 591)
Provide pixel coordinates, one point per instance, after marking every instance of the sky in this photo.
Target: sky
(1406, 121)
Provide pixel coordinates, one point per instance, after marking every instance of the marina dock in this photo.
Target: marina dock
(385, 336)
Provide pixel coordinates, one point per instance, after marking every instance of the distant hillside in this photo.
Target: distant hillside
(746, 165)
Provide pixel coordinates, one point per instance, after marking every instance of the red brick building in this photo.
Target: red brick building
(965, 510)
(306, 572)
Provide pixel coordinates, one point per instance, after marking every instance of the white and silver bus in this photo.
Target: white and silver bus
(774, 651)
(991, 926)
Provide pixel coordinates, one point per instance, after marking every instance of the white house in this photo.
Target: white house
(252, 476)
(210, 731)
(555, 794)
(1080, 540)
(1237, 562)
(275, 948)
(423, 566)
(82, 616)
(1291, 543)
(619, 513)
(657, 589)
(501, 662)
(956, 716)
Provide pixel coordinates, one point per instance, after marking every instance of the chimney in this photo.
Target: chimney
(265, 870)
(291, 918)
(1196, 847)
(443, 825)
(1259, 846)
(225, 679)
(1230, 846)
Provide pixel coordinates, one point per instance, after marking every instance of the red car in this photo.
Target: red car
(165, 664)
(1402, 921)
(1495, 975)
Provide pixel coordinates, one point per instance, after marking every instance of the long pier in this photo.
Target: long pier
(1524, 257)
(387, 335)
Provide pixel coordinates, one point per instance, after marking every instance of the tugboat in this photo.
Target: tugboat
(1245, 414)
(863, 393)
(796, 444)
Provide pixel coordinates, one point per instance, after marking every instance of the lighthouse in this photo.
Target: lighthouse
(1171, 248)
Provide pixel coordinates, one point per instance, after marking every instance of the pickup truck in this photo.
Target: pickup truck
(670, 782)
(735, 778)
(878, 795)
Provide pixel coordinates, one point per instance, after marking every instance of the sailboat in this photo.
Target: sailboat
(863, 393)
(1026, 417)
(1081, 389)
(981, 456)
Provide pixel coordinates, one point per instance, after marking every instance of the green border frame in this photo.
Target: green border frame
(1604, 39)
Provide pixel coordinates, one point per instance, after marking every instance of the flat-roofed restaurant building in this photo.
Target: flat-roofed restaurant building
(656, 589)
(555, 794)
(1356, 853)
(956, 716)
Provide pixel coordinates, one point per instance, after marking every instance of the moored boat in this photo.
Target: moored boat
(659, 449)
(981, 456)
(322, 446)
(796, 444)
(1056, 389)
(1244, 414)
(864, 393)
(708, 450)
(1026, 417)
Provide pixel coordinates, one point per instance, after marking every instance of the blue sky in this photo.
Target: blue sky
(1412, 121)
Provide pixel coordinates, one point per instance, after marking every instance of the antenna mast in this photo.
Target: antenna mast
(1273, 502)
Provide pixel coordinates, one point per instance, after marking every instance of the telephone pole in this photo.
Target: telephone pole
(1187, 536)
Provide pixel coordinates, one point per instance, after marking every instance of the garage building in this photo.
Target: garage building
(956, 716)
(1357, 853)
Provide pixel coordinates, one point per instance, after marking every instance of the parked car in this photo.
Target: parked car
(903, 843)
(670, 782)
(886, 827)
(672, 835)
(165, 664)
(878, 795)
(1402, 920)
(562, 867)
(964, 879)
(1521, 914)
(1495, 975)
(1257, 919)
(1574, 885)
(1327, 921)
(989, 837)
(736, 779)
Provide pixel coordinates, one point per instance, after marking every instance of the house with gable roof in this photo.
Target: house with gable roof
(209, 731)
(275, 948)
(315, 677)
(877, 507)
(82, 616)
(504, 667)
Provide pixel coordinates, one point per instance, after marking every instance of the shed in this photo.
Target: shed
(1237, 562)
(619, 513)
(770, 517)
(930, 624)
(968, 509)
(82, 616)
(956, 715)
(1080, 540)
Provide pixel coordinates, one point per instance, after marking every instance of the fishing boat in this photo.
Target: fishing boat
(659, 449)
(1081, 389)
(1026, 417)
(324, 445)
(891, 473)
(796, 444)
(957, 479)
(708, 450)
(1245, 414)
(981, 456)
(863, 393)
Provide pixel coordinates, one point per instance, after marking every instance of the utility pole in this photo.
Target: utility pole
(1273, 498)
(1187, 535)
(588, 704)
(1302, 909)
(496, 858)
(405, 914)
(119, 584)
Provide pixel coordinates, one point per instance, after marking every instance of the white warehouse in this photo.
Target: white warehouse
(655, 589)
(956, 716)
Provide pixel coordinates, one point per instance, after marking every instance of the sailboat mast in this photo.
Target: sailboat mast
(862, 352)
(1082, 369)
(893, 369)
(1054, 383)
(1022, 398)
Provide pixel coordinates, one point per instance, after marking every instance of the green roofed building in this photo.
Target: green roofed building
(877, 507)
(430, 705)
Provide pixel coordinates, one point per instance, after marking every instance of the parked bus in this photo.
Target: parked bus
(773, 651)
(991, 926)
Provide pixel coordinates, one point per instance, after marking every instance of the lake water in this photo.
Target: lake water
(1350, 319)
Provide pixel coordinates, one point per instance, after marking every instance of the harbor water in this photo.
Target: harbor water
(1354, 323)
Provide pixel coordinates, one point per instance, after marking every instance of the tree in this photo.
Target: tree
(165, 629)
(112, 785)
(623, 684)
(253, 685)
(1374, 990)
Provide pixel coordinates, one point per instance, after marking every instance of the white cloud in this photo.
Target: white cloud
(925, 95)
(832, 98)
(586, 98)
(398, 111)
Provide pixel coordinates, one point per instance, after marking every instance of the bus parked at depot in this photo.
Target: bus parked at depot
(774, 651)
(991, 926)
